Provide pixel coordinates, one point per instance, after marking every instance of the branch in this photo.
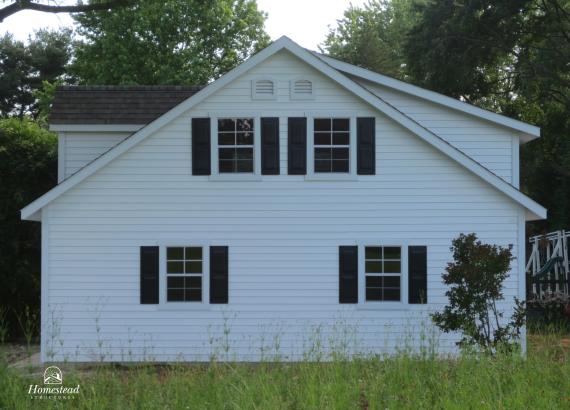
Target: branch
(495, 313)
(20, 5)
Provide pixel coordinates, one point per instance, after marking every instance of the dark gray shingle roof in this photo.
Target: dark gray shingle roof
(115, 104)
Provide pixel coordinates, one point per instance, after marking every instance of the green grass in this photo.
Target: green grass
(541, 381)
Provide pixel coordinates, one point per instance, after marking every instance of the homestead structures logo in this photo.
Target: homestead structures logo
(53, 375)
(53, 386)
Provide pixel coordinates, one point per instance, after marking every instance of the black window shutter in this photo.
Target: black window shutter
(297, 146)
(270, 146)
(201, 146)
(417, 274)
(149, 274)
(348, 274)
(218, 274)
(366, 140)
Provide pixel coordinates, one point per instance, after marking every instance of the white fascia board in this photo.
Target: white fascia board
(320, 65)
(529, 132)
(95, 127)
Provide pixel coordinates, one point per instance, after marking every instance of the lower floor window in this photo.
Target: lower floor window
(383, 272)
(184, 272)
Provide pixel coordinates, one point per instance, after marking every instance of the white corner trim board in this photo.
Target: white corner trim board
(529, 132)
(31, 212)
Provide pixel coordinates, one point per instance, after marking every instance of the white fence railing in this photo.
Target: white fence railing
(549, 263)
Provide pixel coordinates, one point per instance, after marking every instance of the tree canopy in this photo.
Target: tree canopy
(167, 42)
(373, 36)
(25, 67)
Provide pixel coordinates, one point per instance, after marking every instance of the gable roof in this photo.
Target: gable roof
(528, 131)
(131, 104)
(537, 211)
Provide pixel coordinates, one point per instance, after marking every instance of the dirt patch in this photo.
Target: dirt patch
(14, 353)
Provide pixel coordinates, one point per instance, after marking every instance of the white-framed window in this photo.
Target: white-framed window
(235, 145)
(331, 144)
(382, 270)
(185, 268)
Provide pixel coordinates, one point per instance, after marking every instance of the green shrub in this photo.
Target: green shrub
(475, 279)
(28, 168)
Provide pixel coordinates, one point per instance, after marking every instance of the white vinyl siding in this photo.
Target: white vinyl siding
(283, 234)
(487, 143)
(77, 149)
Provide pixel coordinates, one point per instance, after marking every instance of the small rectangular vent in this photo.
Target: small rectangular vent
(302, 89)
(263, 89)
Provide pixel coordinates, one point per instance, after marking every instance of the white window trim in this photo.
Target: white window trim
(383, 305)
(332, 176)
(300, 97)
(205, 303)
(255, 96)
(215, 172)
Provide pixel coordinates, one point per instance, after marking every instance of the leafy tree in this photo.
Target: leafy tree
(512, 57)
(459, 38)
(475, 281)
(44, 98)
(28, 168)
(373, 36)
(167, 42)
(25, 67)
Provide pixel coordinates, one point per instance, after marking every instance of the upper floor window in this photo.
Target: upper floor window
(184, 273)
(383, 273)
(332, 144)
(235, 145)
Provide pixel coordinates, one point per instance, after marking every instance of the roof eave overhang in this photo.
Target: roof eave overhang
(95, 127)
(527, 132)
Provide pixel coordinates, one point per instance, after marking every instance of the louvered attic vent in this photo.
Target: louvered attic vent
(302, 89)
(263, 89)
